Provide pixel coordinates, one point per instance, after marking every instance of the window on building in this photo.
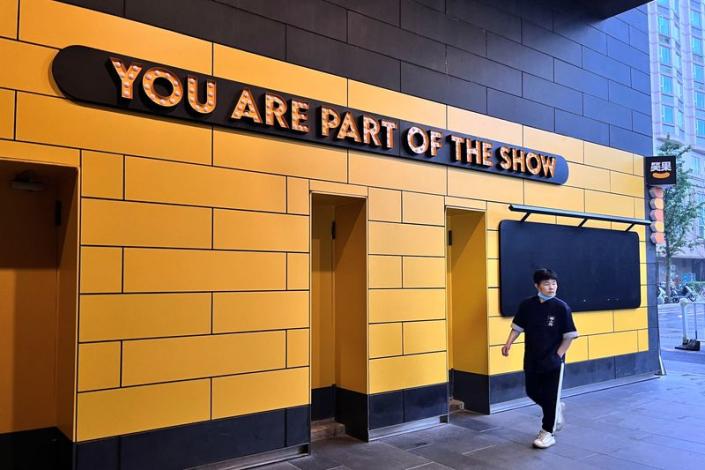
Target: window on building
(676, 32)
(695, 19)
(679, 90)
(665, 55)
(667, 114)
(665, 3)
(701, 215)
(700, 128)
(666, 84)
(679, 119)
(700, 100)
(698, 73)
(697, 46)
(663, 26)
(678, 60)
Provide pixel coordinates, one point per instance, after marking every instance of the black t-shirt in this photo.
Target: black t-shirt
(544, 324)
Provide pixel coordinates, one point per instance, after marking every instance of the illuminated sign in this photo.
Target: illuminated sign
(108, 79)
(660, 170)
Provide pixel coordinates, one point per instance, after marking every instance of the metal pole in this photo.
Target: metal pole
(685, 325)
(695, 319)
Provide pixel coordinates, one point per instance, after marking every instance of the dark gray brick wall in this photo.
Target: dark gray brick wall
(549, 64)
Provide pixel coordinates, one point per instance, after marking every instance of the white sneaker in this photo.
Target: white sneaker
(544, 440)
(560, 419)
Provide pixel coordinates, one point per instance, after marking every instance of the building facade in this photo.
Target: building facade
(678, 106)
(226, 220)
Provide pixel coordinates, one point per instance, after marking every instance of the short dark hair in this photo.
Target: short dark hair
(544, 274)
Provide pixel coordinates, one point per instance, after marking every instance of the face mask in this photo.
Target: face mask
(545, 297)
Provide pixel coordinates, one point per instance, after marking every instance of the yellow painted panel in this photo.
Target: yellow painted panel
(98, 366)
(402, 239)
(157, 181)
(499, 328)
(128, 410)
(423, 209)
(385, 340)
(480, 125)
(610, 158)
(639, 208)
(164, 270)
(7, 114)
(243, 230)
(475, 184)
(297, 348)
(31, 67)
(254, 393)
(391, 103)
(632, 319)
(338, 188)
(297, 198)
(255, 69)
(643, 340)
(465, 203)
(590, 323)
(502, 365)
(384, 272)
(163, 360)
(274, 155)
(8, 18)
(589, 177)
(384, 205)
(613, 344)
(59, 25)
(578, 351)
(391, 305)
(297, 271)
(131, 316)
(137, 224)
(612, 204)
(386, 172)
(568, 147)
(101, 269)
(397, 373)
(251, 311)
(424, 272)
(60, 122)
(424, 336)
(493, 302)
(39, 153)
(627, 184)
(558, 197)
(492, 244)
(492, 273)
(644, 297)
(638, 165)
(102, 175)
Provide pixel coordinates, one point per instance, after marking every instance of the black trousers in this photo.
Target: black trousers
(544, 388)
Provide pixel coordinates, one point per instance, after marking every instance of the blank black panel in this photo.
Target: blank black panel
(597, 269)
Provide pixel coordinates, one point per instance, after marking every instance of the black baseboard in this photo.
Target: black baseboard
(479, 391)
(323, 403)
(46, 449)
(177, 447)
(405, 406)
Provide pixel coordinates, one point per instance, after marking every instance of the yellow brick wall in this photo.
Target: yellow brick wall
(192, 239)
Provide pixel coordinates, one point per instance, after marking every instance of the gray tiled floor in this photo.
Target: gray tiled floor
(654, 424)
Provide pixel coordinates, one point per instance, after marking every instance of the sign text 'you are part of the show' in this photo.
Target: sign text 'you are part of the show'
(108, 79)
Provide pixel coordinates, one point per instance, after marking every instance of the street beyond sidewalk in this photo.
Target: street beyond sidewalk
(658, 423)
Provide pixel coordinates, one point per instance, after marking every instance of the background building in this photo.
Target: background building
(678, 105)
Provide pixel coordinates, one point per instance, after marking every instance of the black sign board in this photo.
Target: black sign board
(108, 79)
(660, 170)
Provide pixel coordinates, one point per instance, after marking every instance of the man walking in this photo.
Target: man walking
(547, 322)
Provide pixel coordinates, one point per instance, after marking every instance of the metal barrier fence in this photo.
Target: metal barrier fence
(690, 311)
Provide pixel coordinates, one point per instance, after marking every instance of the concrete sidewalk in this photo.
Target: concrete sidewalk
(658, 423)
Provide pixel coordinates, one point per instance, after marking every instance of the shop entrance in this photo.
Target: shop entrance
(38, 287)
(467, 307)
(338, 315)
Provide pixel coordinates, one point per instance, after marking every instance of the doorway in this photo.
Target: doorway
(467, 307)
(38, 295)
(338, 315)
